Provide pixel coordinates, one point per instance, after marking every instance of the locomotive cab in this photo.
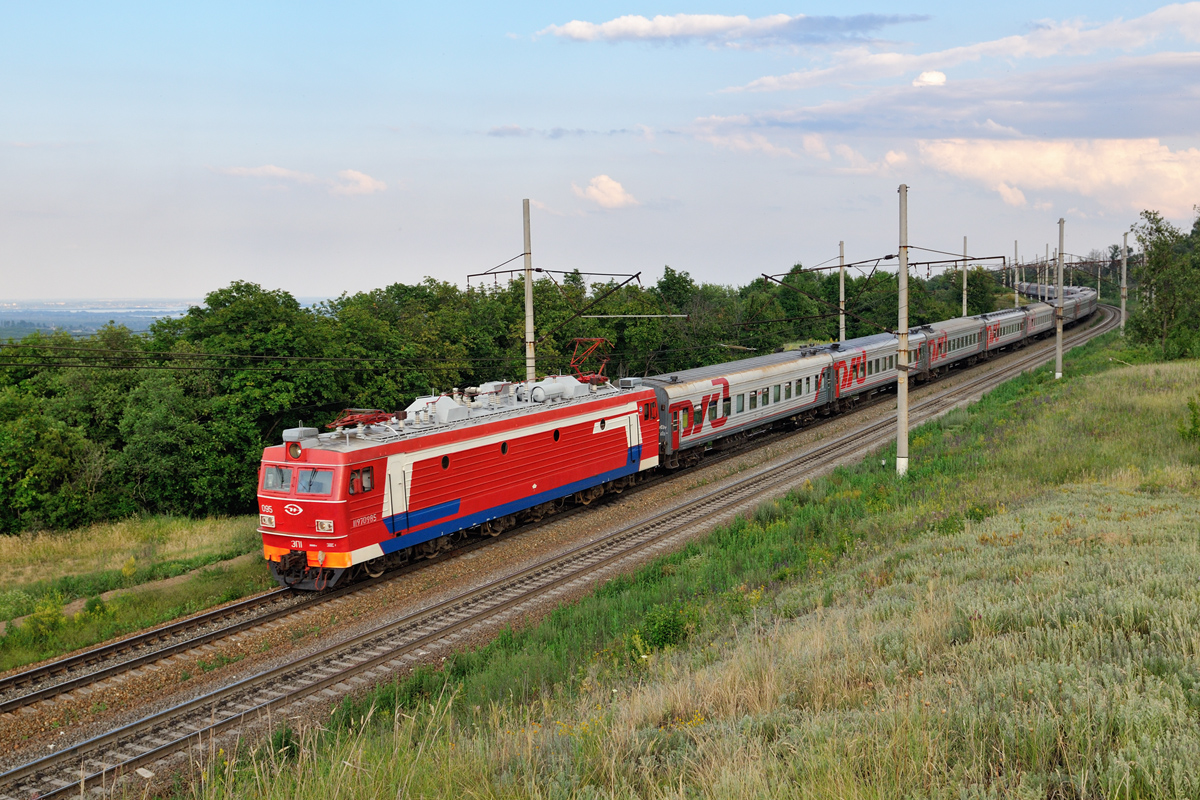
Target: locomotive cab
(304, 497)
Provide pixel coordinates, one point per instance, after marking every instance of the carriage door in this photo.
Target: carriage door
(681, 421)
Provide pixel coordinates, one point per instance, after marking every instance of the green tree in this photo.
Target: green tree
(1169, 286)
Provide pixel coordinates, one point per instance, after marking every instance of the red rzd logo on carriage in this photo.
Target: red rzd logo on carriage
(293, 509)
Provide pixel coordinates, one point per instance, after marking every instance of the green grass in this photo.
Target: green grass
(61, 566)
(47, 633)
(864, 636)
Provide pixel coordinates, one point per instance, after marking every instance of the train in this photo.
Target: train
(382, 489)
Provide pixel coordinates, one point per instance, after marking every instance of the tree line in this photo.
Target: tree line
(174, 420)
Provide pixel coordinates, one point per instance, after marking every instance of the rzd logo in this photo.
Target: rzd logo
(293, 509)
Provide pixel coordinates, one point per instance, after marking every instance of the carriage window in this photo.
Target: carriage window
(277, 479)
(808, 384)
(315, 481)
(712, 410)
(787, 391)
(741, 403)
(753, 400)
(799, 386)
(766, 395)
(777, 393)
(870, 368)
(726, 407)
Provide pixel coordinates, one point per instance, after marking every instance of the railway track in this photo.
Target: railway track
(59, 677)
(379, 652)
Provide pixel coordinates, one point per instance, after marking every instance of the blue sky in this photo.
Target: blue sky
(166, 149)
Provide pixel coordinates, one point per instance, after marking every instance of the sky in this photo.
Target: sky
(167, 149)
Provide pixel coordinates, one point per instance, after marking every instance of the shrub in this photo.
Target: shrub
(1190, 431)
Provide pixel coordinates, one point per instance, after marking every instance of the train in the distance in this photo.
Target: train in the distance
(386, 488)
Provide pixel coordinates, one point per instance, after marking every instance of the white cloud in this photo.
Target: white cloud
(1158, 95)
(1119, 173)
(269, 171)
(1052, 38)
(732, 31)
(930, 78)
(356, 182)
(814, 145)
(748, 143)
(1010, 195)
(606, 193)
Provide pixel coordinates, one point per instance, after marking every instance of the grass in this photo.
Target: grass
(1018, 617)
(47, 633)
(84, 563)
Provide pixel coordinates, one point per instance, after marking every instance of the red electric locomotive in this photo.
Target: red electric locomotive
(390, 488)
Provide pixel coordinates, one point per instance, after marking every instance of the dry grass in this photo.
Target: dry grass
(1046, 653)
(45, 556)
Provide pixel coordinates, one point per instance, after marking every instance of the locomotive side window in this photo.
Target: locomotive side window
(277, 479)
(362, 480)
(315, 481)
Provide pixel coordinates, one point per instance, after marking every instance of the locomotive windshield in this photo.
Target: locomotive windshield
(277, 479)
(315, 481)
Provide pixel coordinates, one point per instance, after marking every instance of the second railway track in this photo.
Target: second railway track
(381, 651)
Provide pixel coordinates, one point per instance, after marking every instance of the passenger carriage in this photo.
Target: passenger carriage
(727, 401)
(1004, 328)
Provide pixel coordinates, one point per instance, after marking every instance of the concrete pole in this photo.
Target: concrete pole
(1058, 311)
(1016, 294)
(1044, 279)
(841, 291)
(964, 276)
(1124, 250)
(530, 364)
(902, 347)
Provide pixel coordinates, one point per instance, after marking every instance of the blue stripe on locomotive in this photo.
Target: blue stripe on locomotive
(449, 523)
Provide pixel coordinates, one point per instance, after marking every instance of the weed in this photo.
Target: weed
(221, 660)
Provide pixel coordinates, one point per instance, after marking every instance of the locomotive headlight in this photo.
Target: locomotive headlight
(294, 449)
(324, 526)
(266, 520)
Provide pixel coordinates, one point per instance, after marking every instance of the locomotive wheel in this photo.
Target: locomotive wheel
(375, 567)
